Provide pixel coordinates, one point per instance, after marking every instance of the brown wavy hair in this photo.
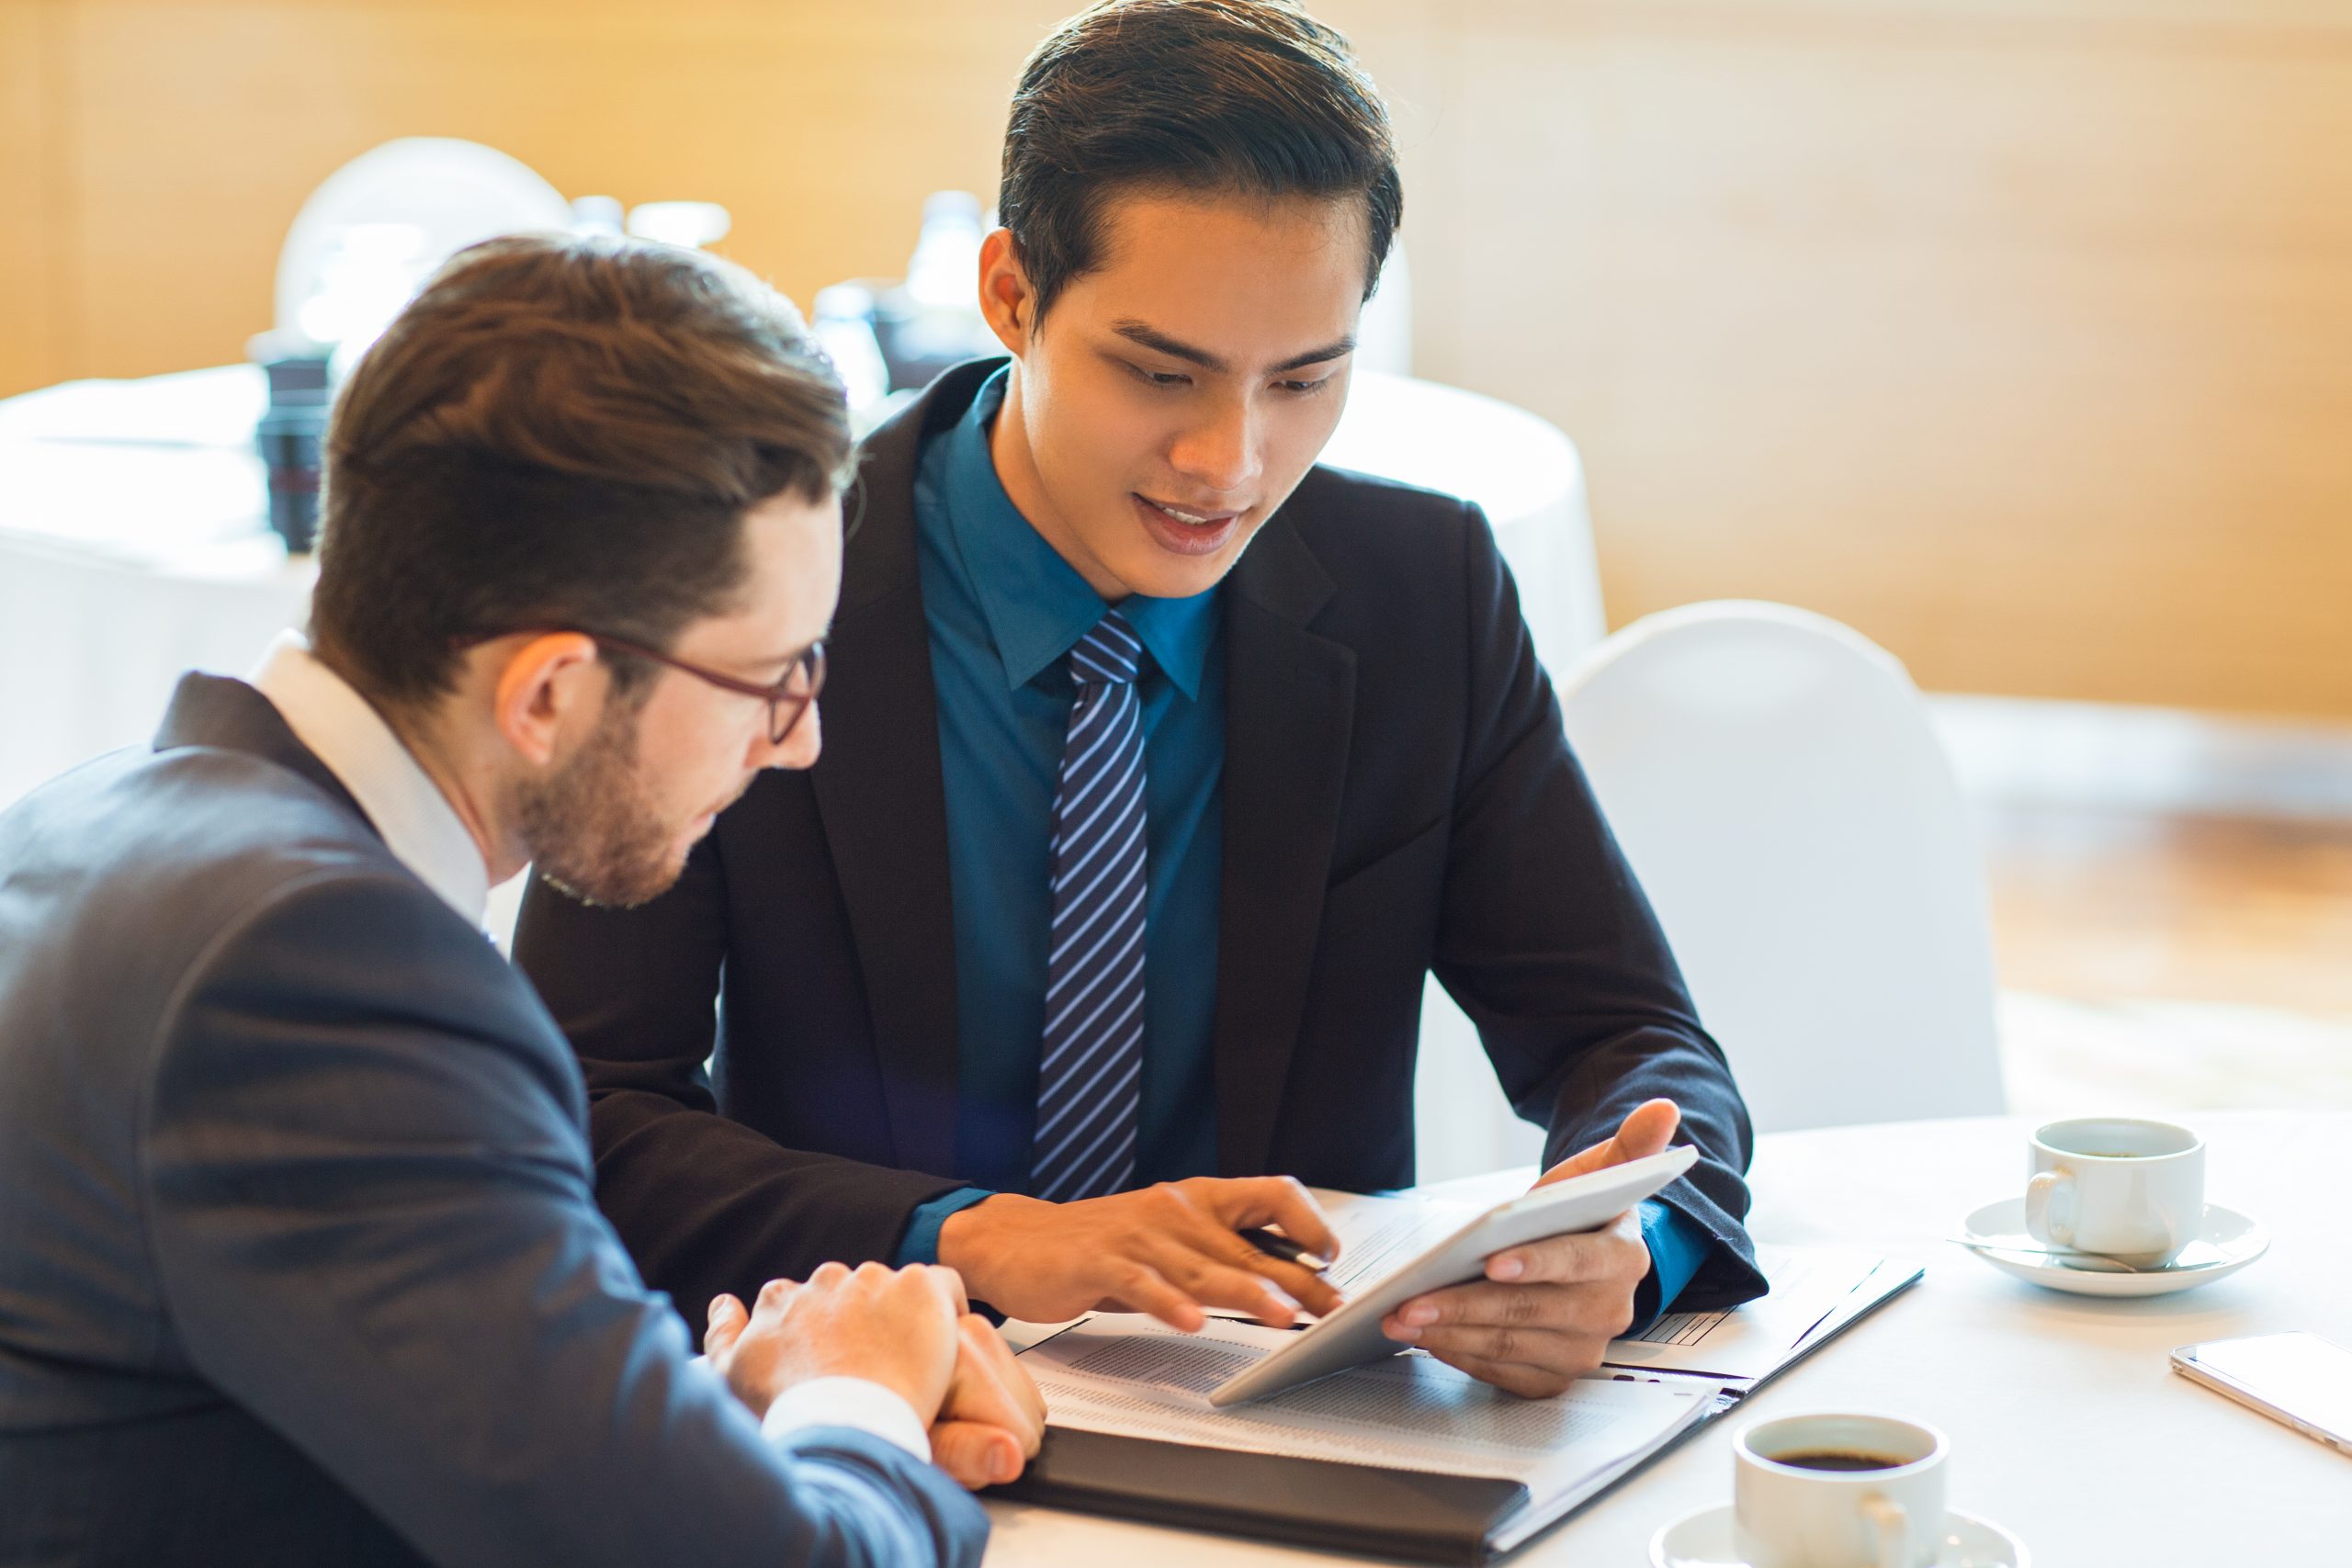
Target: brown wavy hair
(562, 432)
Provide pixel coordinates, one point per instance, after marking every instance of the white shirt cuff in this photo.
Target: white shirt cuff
(849, 1402)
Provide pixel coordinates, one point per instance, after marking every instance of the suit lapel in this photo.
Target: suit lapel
(1290, 708)
(880, 791)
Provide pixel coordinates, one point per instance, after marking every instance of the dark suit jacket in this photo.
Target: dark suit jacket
(1399, 798)
(300, 1262)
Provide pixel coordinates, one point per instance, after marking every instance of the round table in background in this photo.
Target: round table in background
(2068, 1425)
(134, 545)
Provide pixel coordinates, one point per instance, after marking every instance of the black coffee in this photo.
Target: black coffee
(1838, 1458)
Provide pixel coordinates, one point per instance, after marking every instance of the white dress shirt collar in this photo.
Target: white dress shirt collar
(419, 825)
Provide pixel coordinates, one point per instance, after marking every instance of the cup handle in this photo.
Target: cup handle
(2050, 1208)
(1893, 1525)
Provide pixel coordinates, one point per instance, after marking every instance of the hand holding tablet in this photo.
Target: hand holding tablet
(1352, 1334)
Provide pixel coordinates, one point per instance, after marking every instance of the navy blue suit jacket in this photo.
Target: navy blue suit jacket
(1400, 799)
(299, 1259)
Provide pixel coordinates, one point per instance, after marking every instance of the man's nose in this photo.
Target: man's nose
(797, 750)
(1220, 453)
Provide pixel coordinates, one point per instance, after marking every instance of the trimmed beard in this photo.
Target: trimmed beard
(591, 827)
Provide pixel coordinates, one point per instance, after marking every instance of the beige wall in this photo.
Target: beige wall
(2017, 332)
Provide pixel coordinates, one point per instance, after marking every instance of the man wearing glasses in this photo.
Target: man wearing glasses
(1163, 768)
(300, 1256)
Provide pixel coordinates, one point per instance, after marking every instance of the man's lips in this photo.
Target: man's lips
(1183, 531)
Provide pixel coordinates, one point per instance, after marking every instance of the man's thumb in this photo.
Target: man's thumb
(1645, 1130)
(727, 1320)
(976, 1454)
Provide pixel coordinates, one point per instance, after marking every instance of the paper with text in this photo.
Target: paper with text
(1809, 1284)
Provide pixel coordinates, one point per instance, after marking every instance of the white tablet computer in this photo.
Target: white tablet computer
(1352, 1336)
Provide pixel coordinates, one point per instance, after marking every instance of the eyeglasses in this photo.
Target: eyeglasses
(786, 700)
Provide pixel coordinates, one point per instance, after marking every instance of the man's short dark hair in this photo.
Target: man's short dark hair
(562, 432)
(1251, 97)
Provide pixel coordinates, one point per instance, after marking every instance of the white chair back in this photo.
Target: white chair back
(1773, 778)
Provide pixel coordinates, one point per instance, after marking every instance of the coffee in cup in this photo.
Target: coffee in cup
(1839, 1490)
(2121, 1185)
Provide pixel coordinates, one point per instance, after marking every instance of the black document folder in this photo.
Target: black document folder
(1332, 1506)
(1304, 1502)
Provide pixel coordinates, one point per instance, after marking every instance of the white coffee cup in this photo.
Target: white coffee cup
(1806, 1514)
(2117, 1185)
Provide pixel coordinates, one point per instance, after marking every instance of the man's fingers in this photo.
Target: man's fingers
(1278, 1200)
(1646, 1130)
(1601, 1312)
(1221, 1285)
(1616, 1251)
(948, 1283)
(1293, 1283)
(991, 1351)
(1511, 1377)
(1565, 1355)
(727, 1319)
(975, 1454)
(1139, 1287)
(992, 1387)
(994, 1417)
(1303, 1285)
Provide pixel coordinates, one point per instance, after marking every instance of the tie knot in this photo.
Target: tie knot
(1110, 653)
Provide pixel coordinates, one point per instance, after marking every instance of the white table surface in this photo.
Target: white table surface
(2068, 1425)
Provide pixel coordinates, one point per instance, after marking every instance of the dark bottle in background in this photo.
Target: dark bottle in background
(292, 436)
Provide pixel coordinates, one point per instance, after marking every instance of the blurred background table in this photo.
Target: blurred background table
(135, 545)
(133, 542)
(2068, 1427)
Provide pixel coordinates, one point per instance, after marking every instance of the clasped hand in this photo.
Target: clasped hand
(909, 1329)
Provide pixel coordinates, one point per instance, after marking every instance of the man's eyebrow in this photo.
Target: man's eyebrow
(1152, 338)
(1331, 350)
(1147, 336)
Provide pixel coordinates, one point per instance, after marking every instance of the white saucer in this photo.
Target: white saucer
(1703, 1539)
(2229, 1242)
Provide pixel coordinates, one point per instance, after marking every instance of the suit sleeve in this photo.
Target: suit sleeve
(705, 1203)
(370, 1208)
(1548, 944)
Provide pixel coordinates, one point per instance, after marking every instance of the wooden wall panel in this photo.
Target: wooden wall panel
(2023, 342)
(32, 350)
(2017, 332)
(820, 125)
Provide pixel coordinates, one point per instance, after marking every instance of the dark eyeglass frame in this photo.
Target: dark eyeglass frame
(785, 704)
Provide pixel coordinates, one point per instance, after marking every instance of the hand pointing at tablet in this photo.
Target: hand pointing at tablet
(1170, 1250)
(1546, 1310)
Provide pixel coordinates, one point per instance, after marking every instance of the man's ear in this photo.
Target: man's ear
(548, 693)
(1006, 298)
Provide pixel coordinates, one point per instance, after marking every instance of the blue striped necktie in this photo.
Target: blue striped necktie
(1090, 1073)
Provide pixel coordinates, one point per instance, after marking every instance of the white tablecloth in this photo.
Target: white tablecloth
(133, 546)
(2068, 1428)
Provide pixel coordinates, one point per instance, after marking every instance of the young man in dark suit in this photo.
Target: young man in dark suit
(1163, 767)
(299, 1258)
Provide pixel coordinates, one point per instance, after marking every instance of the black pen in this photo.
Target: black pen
(1273, 1244)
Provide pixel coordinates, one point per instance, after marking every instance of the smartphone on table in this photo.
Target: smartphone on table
(2300, 1378)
